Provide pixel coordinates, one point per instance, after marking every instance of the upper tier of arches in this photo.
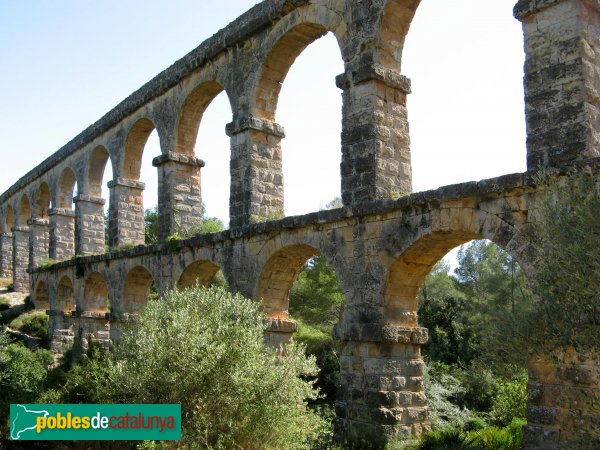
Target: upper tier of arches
(173, 102)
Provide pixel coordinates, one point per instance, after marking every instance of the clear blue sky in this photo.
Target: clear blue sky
(67, 62)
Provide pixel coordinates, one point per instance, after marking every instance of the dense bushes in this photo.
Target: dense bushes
(204, 349)
(22, 375)
(33, 323)
(491, 438)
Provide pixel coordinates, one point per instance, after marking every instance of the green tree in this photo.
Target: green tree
(233, 390)
(151, 226)
(22, 376)
(566, 236)
(207, 225)
(445, 311)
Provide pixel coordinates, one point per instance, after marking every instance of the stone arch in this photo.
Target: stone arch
(95, 293)
(42, 201)
(199, 272)
(66, 189)
(450, 228)
(24, 211)
(278, 276)
(139, 133)
(191, 114)
(136, 290)
(65, 295)
(96, 167)
(278, 62)
(394, 23)
(41, 296)
(9, 219)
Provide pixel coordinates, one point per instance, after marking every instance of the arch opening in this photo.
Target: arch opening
(95, 294)
(9, 219)
(66, 295)
(43, 200)
(137, 290)
(41, 298)
(206, 120)
(135, 149)
(67, 189)
(469, 301)
(99, 173)
(301, 296)
(486, 102)
(308, 104)
(203, 273)
(24, 211)
(143, 144)
(98, 166)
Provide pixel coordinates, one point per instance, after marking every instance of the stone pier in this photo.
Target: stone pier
(89, 225)
(256, 175)
(62, 233)
(126, 212)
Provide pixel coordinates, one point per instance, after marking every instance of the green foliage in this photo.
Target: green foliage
(33, 323)
(491, 438)
(446, 312)
(316, 302)
(86, 379)
(325, 349)
(151, 226)
(316, 297)
(442, 387)
(207, 225)
(510, 401)
(45, 264)
(4, 304)
(233, 390)
(210, 225)
(123, 246)
(22, 376)
(173, 241)
(565, 234)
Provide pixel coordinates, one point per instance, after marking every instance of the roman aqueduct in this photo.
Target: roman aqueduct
(381, 249)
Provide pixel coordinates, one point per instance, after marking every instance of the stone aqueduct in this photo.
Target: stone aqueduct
(380, 248)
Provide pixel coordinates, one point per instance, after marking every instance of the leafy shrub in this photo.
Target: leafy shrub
(204, 348)
(4, 304)
(33, 323)
(490, 438)
(510, 401)
(325, 350)
(480, 387)
(493, 438)
(442, 386)
(448, 438)
(22, 375)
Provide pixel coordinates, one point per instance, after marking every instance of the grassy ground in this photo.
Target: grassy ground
(7, 296)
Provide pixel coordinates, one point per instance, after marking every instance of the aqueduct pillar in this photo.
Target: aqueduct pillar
(89, 225)
(126, 212)
(62, 233)
(20, 258)
(6, 249)
(562, 80)
(375, 142)
(39, 239)
(562, 106)
(256, 174)
(179, 195)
